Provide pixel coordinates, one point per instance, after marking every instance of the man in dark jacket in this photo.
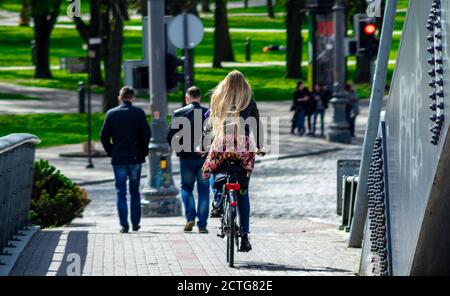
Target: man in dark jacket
(184, 136)
(129, 131)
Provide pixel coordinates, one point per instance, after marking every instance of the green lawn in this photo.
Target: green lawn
(10, 5)
(15, 46)
(258, 9)
(52, 129)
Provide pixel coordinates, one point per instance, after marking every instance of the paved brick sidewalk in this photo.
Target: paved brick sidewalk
(281, 247)
(308, 243)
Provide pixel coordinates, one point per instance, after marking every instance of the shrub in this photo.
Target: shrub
(55, 199)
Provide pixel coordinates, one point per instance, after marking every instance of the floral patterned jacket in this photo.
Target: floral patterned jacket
(236, 148)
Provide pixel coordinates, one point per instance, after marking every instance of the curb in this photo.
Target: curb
(269, 158)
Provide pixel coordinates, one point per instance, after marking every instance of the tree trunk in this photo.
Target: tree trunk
(42, 48)
(294, 21)
(44, 14)
(270, 9)
(245, 3)
(205, 6)
(175, 7)
(25, 13)
(113, 57)
(223, 50)
(93, 31)
(144, 8)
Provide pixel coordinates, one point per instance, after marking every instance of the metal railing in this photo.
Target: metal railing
(17, 153)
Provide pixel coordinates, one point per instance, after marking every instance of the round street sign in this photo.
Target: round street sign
(187, 24)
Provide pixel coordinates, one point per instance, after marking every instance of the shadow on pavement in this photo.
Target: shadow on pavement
(283, 267)
(75, 253)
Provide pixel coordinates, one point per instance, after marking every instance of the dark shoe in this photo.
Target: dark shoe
(189, 225)
(245, 245)
(203, 230)
(136, 228)
(124, 230)
(216, 213)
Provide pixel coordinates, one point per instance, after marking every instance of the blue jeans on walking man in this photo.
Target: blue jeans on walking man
(191, 172)
(132, 173)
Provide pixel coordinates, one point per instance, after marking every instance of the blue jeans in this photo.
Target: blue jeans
(191, 171)
(320, 113)
(133, 174)
(243, 206)
(244, 211)
(301, 121)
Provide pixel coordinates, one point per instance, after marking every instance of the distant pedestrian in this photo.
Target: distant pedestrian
(352, 107)
(183, 140)
(125, 135)
(299, 106)
(320, 105)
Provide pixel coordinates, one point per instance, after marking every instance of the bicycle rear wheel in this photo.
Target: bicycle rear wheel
(231, 235)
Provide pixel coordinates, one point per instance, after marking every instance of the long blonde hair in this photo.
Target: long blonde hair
(231, 96)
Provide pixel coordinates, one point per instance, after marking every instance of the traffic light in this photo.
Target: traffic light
(366, 31)
(173, 77)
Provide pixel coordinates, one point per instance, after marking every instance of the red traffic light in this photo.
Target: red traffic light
(370, 29)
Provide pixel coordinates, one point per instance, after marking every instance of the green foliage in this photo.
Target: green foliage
(55, 199)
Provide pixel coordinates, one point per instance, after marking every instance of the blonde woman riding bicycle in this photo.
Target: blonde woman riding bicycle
(233, 117)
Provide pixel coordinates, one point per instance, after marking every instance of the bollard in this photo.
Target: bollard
(33, 52)
(81, 97)
(349, 186)
(248, 49)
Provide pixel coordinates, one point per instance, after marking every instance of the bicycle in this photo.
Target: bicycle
(230, 226)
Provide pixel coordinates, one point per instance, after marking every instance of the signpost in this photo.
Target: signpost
(84, 65)
(160, 192)
(90, 55)
(186, 32)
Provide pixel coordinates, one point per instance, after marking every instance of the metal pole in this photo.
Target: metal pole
(160, 190)
(339, 128)
(81, 97)
(248, 48)
(89, 113)
(188, 56)
(376, 104)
